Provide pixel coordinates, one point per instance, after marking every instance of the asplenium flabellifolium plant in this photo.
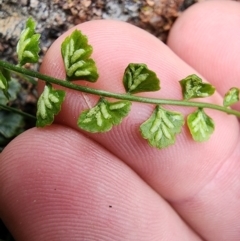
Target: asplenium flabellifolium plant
(160, 129)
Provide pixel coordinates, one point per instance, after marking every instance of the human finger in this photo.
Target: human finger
(178, 173)
(209, 44)
(57, 184)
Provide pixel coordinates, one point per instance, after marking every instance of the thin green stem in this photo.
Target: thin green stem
(156, 101)
(14, 110)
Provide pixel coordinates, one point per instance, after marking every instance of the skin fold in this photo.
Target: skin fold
(61, 183)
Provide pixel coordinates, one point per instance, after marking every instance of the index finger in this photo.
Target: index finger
(178, 173)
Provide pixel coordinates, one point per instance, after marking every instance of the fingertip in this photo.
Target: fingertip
(57, 184)
(205, 37)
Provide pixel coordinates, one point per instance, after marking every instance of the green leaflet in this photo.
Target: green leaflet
(13, 89)
(49, 104)
(28, 44)
(4, 79)
(103, 116)
(138, 78)
(76, 54)
(162, 126)
(231, 97)
(193, 87)
(200, 125)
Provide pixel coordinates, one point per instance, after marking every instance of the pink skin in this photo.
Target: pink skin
(59, 183)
